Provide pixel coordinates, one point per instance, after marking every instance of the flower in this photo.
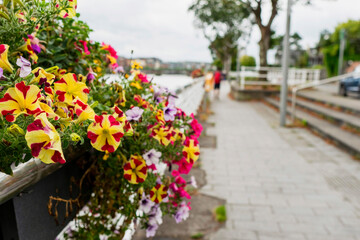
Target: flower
(110, 49)
(86, 49)
(44, 141)
(135, 171)
(134, 114)
(163, 135)
(169, 113)
(25, 66)
(105, 133)
(4, 62)
(83, 111)
(193, 182)
(20, 99)
(146, 204)
(191, 150)
(183, 212)
(136, 84)
(155, 215)
(42, 77)
(68, 88)
(196, 126)
(1, 72)
(90, 76)
(27, 47)
(151, 230)
(20, 16)
(69, 12)
(152, 157)
(143, 78)
(135, 65)
(184, 166)
(158, 193)
(160, 117)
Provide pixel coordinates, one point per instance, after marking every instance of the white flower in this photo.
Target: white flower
(152, 157)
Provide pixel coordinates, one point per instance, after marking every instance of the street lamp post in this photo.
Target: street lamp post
(285, 67)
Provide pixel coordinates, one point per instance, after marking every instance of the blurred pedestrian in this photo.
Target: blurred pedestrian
(217, 81)
(208, 86)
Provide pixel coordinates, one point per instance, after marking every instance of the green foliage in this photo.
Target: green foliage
(197, 236)
(247, 61)
(330, 45)
(220, 213)
(222, 23)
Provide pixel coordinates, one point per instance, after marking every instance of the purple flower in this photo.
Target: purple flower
(134, 114)
(169, 113)
(152, 157)
(151, 230)
(25, 66)
(1, 72)
(119, 69)
(155, 215)
(36, 48)
(90, 77)
(146, 204)
(172, 99)
(182, 213)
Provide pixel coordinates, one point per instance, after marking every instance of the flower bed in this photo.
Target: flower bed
(55, 98)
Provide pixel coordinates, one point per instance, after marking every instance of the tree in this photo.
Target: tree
(256, 7)
(223, 23)
(330, 45)
(247, 61)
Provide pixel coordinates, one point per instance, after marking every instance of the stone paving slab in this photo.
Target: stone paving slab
(279, 183)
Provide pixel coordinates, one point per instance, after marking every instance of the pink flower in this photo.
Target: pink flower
(184, 166)
(143, 78)
(86, 49)
(196, 126)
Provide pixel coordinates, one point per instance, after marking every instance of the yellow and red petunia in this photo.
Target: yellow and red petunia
(83, 111)
(42, 77)
(121, 117)
(163, 135)
(191, 150)
(141, 102)
(158, 193)
(160, 116)
(4, 62)
(69, 12)
(44, 141)
(68, 88)
(20, 99)
(105, 133)
(135, 170)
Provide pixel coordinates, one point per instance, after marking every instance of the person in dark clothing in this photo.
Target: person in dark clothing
(217, 80)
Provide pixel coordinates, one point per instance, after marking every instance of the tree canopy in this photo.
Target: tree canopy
(330, 45)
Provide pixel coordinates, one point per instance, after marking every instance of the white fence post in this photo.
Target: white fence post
(242, 81)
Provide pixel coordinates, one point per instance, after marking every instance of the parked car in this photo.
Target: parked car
(350, 85)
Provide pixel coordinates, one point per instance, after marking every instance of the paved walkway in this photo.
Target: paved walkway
(278, 183)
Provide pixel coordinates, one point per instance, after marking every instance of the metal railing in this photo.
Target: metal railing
(296, 89)
(273, 76)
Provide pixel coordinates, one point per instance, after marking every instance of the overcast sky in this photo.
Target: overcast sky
(165, 29)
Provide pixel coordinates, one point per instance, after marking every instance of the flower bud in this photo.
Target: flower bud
(75, 137)
(15, 130)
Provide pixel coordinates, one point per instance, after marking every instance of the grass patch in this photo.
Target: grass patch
(197, 236)
(220, 213)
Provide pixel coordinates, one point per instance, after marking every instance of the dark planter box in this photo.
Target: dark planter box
(251, 94)
(25, 215)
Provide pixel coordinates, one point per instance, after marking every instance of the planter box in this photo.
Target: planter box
(24, 198)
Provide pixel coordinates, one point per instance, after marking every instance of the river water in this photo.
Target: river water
(171, 81)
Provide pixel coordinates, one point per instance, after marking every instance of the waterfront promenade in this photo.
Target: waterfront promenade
(279, 183)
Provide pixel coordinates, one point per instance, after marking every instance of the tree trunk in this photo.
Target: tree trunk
(227, 65)
(264, 45)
